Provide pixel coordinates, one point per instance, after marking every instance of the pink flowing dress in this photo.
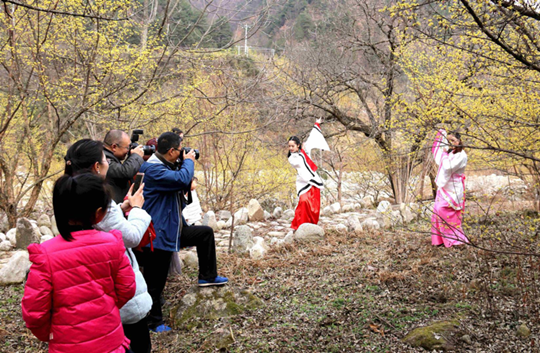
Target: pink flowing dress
(446, 226)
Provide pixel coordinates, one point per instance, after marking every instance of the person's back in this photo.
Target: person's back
(78, 281)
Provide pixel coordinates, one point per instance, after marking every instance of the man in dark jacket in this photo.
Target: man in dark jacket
(166, 181)
(116, 146)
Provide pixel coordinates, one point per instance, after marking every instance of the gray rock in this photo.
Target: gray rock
(278, 211)
(27, 233)
(16, 268)
(258, 250)
(326, 211)
(466, 339)
(384, 206)
(3, 237)
(341, 228)
(5, 245)
(11, 235)
(224, 215)
(4, 224)
(243, 240)
(289, 238)
(523, 331)
(209, 220)
(201, 304)
(267, 215)
(44, 221)
(407, 213)
(45, 231)
(308, 232)
(191, 259)
(44, 238)
(352, 222)
(288, 214)
(255, 211)
(54, 227)
(433, 337)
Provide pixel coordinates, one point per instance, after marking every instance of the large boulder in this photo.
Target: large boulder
(308, 232)
(255, 211)
(16, 268)
(278, 211)
(371, 224)
(27, 233)
(44, 221)
(437, 336)
(45, 231)
(191, 259)
(240, 217)
(212, 303)
(242, 240)
(367, 202)
(11, 235)
(209, 220)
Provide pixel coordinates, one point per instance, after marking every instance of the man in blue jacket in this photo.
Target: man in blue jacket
(166, 180)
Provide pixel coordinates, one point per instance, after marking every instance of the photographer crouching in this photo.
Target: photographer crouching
(167, 178)
(116, 146)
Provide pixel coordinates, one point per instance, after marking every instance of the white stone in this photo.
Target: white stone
(278, 211)
(44, 221)
(371, 223)
(335, 207)
(45, 231)
(5, 245)
(274, 241)
(289, 238)
(243, 240)
(347, 208)
(255, 211)
(341, 228)
(275, 234)
(221, 225)
(326, 211)
(44, 238)
(367, 202)
(257, 252)
(384, 206)
(267, 215)
(16, 268)
(260, 241)
(54, 227)
(3, 237)
(406, 213)
(240, 217)
(352, 223)
(209, 220)
(224, 215)
(288, 214)
(191, 259)
(11, 235)
(308, 232)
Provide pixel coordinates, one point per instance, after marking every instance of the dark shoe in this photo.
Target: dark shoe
(218, 281)
(161, 328)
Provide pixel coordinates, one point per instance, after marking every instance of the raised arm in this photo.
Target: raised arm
(315, 140)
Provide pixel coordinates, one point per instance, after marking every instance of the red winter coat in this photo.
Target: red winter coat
(74, 292)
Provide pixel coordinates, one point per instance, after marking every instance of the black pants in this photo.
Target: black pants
(139, 336)
(156, 265)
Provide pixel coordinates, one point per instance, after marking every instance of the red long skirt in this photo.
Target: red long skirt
(308, 209)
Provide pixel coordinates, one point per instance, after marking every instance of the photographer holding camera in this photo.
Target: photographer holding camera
(117, 144)
(168, 175)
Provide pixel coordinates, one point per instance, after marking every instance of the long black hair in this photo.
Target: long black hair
(77, 199)
(82, 155)
(296, 140)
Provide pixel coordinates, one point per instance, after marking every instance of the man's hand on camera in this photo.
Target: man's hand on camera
(138, 150)
(137, 199)
(190, 155)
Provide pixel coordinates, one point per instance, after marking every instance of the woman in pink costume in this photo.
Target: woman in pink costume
(446, 225)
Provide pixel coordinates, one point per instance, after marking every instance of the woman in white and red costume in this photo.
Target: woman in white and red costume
(446, 227)
(308, 182)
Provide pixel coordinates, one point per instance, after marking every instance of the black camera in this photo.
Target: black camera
(148, 150)
(187, 149)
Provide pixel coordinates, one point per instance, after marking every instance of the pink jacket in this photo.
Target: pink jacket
(74, 292)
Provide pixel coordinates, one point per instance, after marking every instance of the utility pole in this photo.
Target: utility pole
(246, 27)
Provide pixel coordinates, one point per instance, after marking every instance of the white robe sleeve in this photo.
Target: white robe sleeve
(315, 140)
(451, 163)
(440, 146)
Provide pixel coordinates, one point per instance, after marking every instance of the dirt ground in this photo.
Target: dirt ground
(350, 294)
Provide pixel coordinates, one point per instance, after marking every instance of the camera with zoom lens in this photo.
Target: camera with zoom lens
(148, 150)
(187, 149)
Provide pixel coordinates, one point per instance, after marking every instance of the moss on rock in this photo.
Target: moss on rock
(434, 336)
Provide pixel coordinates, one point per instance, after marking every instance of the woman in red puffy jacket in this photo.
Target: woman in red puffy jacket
(79, 280)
